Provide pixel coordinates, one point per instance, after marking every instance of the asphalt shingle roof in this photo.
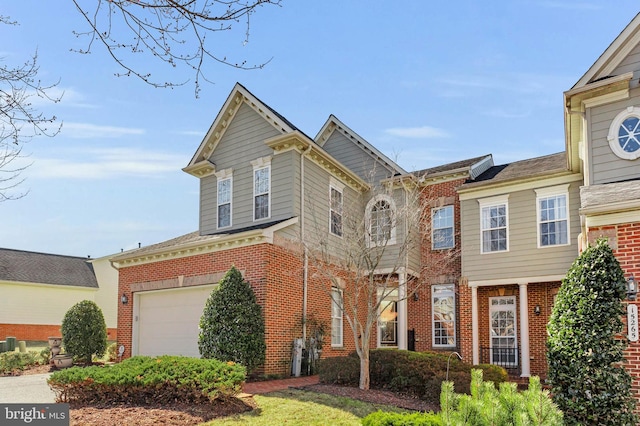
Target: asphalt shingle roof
(450, 166)
(33, 267)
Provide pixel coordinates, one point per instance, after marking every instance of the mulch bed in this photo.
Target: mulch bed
(180, 414)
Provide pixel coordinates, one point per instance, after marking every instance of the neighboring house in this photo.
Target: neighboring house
(38, 289)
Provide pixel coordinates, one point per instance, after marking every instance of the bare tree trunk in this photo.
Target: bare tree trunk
(364, 368)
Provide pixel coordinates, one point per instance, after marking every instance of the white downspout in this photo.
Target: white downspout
(475, 337)
(305, 254)
(524, 331)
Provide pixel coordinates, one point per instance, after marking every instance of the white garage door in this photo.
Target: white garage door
(168, 321)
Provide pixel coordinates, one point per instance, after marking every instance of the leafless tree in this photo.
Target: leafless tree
(19, 119)
(371, 258)
(176, 32)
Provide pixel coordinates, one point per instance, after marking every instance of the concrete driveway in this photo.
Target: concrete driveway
(26, 389)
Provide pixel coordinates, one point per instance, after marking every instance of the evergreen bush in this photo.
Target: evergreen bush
(232, 325)
(84, 332)
(584, 348)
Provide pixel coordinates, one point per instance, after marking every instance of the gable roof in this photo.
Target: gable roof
(617, 51)
(199, 164)
(334, 124)
(528, 169)
(33, 267)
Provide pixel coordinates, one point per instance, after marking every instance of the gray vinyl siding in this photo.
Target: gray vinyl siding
(243, 142)
(347, 152)
(605, 166)
(630, 64)
(524, 258)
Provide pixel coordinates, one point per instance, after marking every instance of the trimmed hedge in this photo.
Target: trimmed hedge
(416, 373)
(383, 418)
(143, 380)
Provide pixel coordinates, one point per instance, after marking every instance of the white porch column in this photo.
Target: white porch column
(402, 310)
(524, 331)
(475, 339)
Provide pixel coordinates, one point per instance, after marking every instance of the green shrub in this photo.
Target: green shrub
(340, 370)
(11, 362)
(416, 373)
(585, 351)
(383, 418)
(232, 325)
(84, 332)
(144, 380)
(488, 406)
(112, 352)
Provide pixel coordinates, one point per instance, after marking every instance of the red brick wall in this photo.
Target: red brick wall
(437, 267)
(39, 332)
(626, 243)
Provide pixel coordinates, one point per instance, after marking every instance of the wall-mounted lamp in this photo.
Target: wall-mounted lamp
(632, 288)
(416, 297)
(536, 310)
(124, 299)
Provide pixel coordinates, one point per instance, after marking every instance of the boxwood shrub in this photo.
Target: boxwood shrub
(143, 380)
(416, 373)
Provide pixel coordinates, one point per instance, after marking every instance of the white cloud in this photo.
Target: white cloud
(87, 131)
(424, 132)
(110, 163)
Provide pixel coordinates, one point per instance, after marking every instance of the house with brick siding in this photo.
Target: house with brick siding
(266, 189)
(39, 288)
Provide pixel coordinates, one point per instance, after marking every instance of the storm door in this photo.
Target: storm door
(503, 327)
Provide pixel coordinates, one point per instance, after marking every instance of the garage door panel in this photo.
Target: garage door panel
(168, 321)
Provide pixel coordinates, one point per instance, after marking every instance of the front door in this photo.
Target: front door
(504, 339)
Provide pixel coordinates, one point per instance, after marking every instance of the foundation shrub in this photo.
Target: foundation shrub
(416, 373)
(12, 362)
(84, 331)
(144, 380)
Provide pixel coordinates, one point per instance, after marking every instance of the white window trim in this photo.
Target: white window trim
(341, 317)
(258, 164)
(612, 137)
(552, 191)
(339, 187)
(392, 207)
(433, 319)
(453, 226)
(490, 202)
(222, 175)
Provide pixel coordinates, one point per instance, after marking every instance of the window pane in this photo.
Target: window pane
(553, 223)
(336, 317)
(262, 206)
(381, 222)
(335, 209)
(224, 215)
(443, 308)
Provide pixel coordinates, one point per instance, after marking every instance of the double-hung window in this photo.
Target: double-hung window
(261, 188)
(225, 190)
(336, 204)
(336, 317)
(442, 229)
(443, 307)
(494, 224)
(553, 218)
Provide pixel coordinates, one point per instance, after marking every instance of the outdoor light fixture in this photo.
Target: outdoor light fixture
(536, 310)
(416, 297)
(124, 299)
(632, 288)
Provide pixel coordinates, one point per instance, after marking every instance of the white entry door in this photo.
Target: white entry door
(167, 321)
(503, 328)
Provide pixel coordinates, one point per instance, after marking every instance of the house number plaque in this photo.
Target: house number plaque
(632, 322)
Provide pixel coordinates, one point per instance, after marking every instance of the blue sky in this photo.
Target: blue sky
(425, 82)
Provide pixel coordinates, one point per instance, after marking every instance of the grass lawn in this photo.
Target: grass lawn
(296, 407)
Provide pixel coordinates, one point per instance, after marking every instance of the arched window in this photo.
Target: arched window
(381, 226)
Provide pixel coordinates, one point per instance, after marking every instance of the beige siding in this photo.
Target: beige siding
(606, 167)
(25, 303)
(524, 258)
(243, 142)
(107, 295)
(347, 152)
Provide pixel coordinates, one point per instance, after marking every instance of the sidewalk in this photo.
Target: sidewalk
(276, 385)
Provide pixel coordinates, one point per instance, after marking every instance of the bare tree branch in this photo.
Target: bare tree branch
(172, 31)
(19, 120)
